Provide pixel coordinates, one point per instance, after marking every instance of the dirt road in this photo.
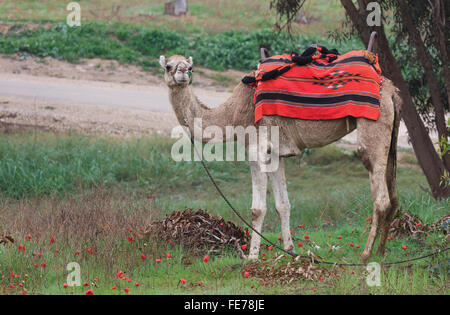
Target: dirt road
(94, 96)
(122, 100)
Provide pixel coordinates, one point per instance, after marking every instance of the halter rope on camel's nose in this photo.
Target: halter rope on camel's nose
(265, 54)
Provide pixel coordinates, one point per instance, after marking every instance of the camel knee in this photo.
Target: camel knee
(283, 210)
(382, 207)
(258, 214)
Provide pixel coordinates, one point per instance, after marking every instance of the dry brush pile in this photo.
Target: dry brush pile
(198, 231)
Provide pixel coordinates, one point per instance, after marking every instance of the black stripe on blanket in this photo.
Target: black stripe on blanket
(317, 100)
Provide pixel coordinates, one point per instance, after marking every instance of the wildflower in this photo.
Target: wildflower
(340, 237)
(90, 251)
(405, 247)
(28, 237)
(244, 247)
(246, 274)
(270, 248)
(126, 290)
(119, 274)
(77, 253)
(206, 259)
(328, 222)
(86, 284)
(21, 247)
(52, 240)
(43, 264)
(65, 285)
(183, 281)
(137, 284)
(143, 256)
(300, 244)
(367, 219)
(39, 255)
(89, 292)
(352, 245)
(24, 292)
(301, 226)
(168, 255)
(357, 246)
(114, 287)
(389, 238)
(130, 239)
(306, 237)
(12, 286)
(200, 283)
(158, 260)
(419, 224)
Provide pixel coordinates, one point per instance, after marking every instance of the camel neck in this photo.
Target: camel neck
(237, 110)
(185, 105)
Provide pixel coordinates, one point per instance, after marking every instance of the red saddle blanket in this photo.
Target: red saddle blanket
(349, 85)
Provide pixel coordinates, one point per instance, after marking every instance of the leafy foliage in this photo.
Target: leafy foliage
(140, 45)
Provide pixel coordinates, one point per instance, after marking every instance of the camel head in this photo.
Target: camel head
(177, 70)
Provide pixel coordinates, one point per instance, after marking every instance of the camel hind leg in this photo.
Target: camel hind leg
(374, 139)
(391, 174)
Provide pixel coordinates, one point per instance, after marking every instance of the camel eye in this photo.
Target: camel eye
(168, 68)
(190, 68)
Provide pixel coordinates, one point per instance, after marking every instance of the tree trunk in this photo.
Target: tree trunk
(429, 160)
(181, 7)
(439, 23)
(176, 7)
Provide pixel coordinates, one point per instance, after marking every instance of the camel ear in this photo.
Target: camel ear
(162, 61)
(191, 62)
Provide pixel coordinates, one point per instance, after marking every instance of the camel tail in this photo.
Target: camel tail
(392, 159)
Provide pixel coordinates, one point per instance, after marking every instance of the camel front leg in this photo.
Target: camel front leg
(280, 193)
(259, 207)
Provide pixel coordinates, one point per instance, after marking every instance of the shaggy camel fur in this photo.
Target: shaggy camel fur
(377, 142)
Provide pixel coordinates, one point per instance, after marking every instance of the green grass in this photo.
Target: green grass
(143, 45)
(205, 16)
(35, 164)
(88, 191)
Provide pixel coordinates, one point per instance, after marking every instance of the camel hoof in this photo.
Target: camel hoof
(252, 257)
(365, 258)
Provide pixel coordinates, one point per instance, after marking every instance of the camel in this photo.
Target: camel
(377, 145)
